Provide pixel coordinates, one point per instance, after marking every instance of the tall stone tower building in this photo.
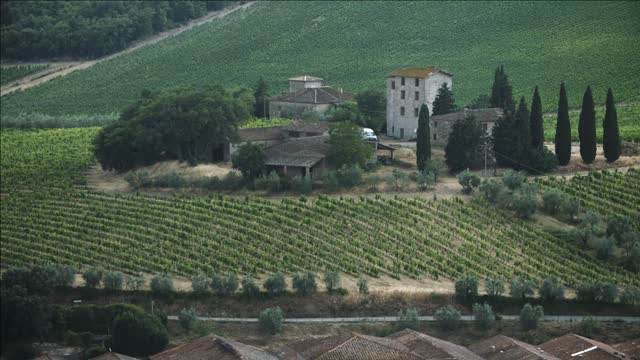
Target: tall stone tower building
(407, 90)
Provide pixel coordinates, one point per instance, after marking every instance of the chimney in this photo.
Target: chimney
(315, 95)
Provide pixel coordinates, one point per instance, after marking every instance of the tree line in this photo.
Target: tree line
(88, 29)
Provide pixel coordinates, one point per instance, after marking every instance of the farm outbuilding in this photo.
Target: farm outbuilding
(306, 95)
(305, 156)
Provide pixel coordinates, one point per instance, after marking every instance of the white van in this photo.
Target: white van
(369, 135)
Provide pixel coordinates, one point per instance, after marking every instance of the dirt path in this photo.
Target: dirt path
(64, 68)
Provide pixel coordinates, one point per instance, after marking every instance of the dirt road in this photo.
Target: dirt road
(58, 69)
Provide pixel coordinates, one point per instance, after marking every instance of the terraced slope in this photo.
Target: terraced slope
(354, 44)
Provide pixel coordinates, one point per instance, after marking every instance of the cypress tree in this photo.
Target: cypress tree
(496, 99)
(501, 92)
(423, 145)
(535, 121)
(261, 94)
(563, 129)
(444, 102)
(587, 128)
(521, 135)
(611, 134)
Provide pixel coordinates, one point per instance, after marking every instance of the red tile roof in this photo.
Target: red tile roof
(571, 346)
(417, 72)
(501, 347)
(213, 347)
(631, 348)
(433, 348)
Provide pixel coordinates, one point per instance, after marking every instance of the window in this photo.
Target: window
(402, 81)
(484, 127)
(402, 94)
(401, 110)
(435, 124)
(435, 137)
(401, 133)
(415, 112)
(393, 84)
(393, 129)
(417, 81)
(417, 95)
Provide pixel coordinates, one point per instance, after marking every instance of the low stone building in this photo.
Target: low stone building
(407, 90)
(304, 156)
(307, 95)
(441, 125)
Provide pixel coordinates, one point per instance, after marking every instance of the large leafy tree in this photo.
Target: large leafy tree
(347, 145)
(249, 159)
(563, 129)
(261, 95)
(372, 107)
(423, 145)
(182, 123)
(464, 145)
(535, 121)
(587, 128)
(611, 134)
(444, 102)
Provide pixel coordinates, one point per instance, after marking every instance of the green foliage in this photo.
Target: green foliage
(617, 226)
(399, 179)
(468, 181)
(587, 327)
(249, 287)
(423, 141)
(563, 129)
(520, 288)
(225, 283)
(162, 284)
(249, 159)
(271, 182)
(483, 101)
(275, 283)
(135, 282)
(514, 179)
(530, 316)
(597, 292)
(491, 189)
(464, 144)
(425, 180)
(200, 284)
(502, 92)
(436, 167)
(466, 289)
(630, 295)
(136, 333)
(610, 132)
(301, 184)
(587, 128)
(92, 277)
(113, 280)
(187, 318)
(332, 281)
(372, 105)
(551, 290)
(347, 146)
(256, 123)
(551, 201)
(524, 203)
(535, 121)
(483, 315)
(444, 102)
(261, 96)
(11, 73)
(495, 287)
(407, 319)
(181, 123)
(271, 319)
(363, 285)
(447, 318)
(304, 283)
(23, 315)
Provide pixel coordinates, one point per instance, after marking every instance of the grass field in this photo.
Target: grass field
(11, 73)
(354, 44)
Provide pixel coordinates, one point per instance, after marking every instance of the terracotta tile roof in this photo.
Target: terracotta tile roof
(482, 115)
(354, 347)
(306, 78)
(303, 151)
(113, 356)
(262, 134)
(433, 348)
(631, 348)
(501, 347)
(213, 347)
(571, 346)
(316, 127)
(417, 72)
(321, 95)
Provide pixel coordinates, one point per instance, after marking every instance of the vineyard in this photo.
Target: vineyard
(606, 192)
(354, 44)
(628, 123)
(11, 73)
(183, 235)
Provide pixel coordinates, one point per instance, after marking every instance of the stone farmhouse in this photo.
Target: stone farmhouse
(441, 125)
(307, 95)
(407, 90)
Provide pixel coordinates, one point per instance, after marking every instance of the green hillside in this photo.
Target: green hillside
(354, 44)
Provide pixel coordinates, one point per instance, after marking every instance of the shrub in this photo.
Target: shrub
(604, 247)
(162, 284)
(551, 290)
(435, 167)
(617, 226)
(466, 289)
(64, 275)
(541, 159)
(363, 285)
(332, 281)
(349, 176)
(447, 318)
(524, 204)
(408, 319)
(135, 282)
(301, 184)
(249, 159)
(598, 292)
(514, 179)
(551, 201)
(630, 296)
(570, 207)
(113, 280)
(225, 284)
(491, 189)
(275, 283)
(530, 315)
(304, 283)
(587, 327)
(495, 287)
(187, 317)
(469, 181)
(249, 287)
(520, 288)
(271, 320)
(586, 292)
(425, 179)
(483, 316)
(271, 182)
(138, 334)
(93, 277)
(399, 180)
(200, 284)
